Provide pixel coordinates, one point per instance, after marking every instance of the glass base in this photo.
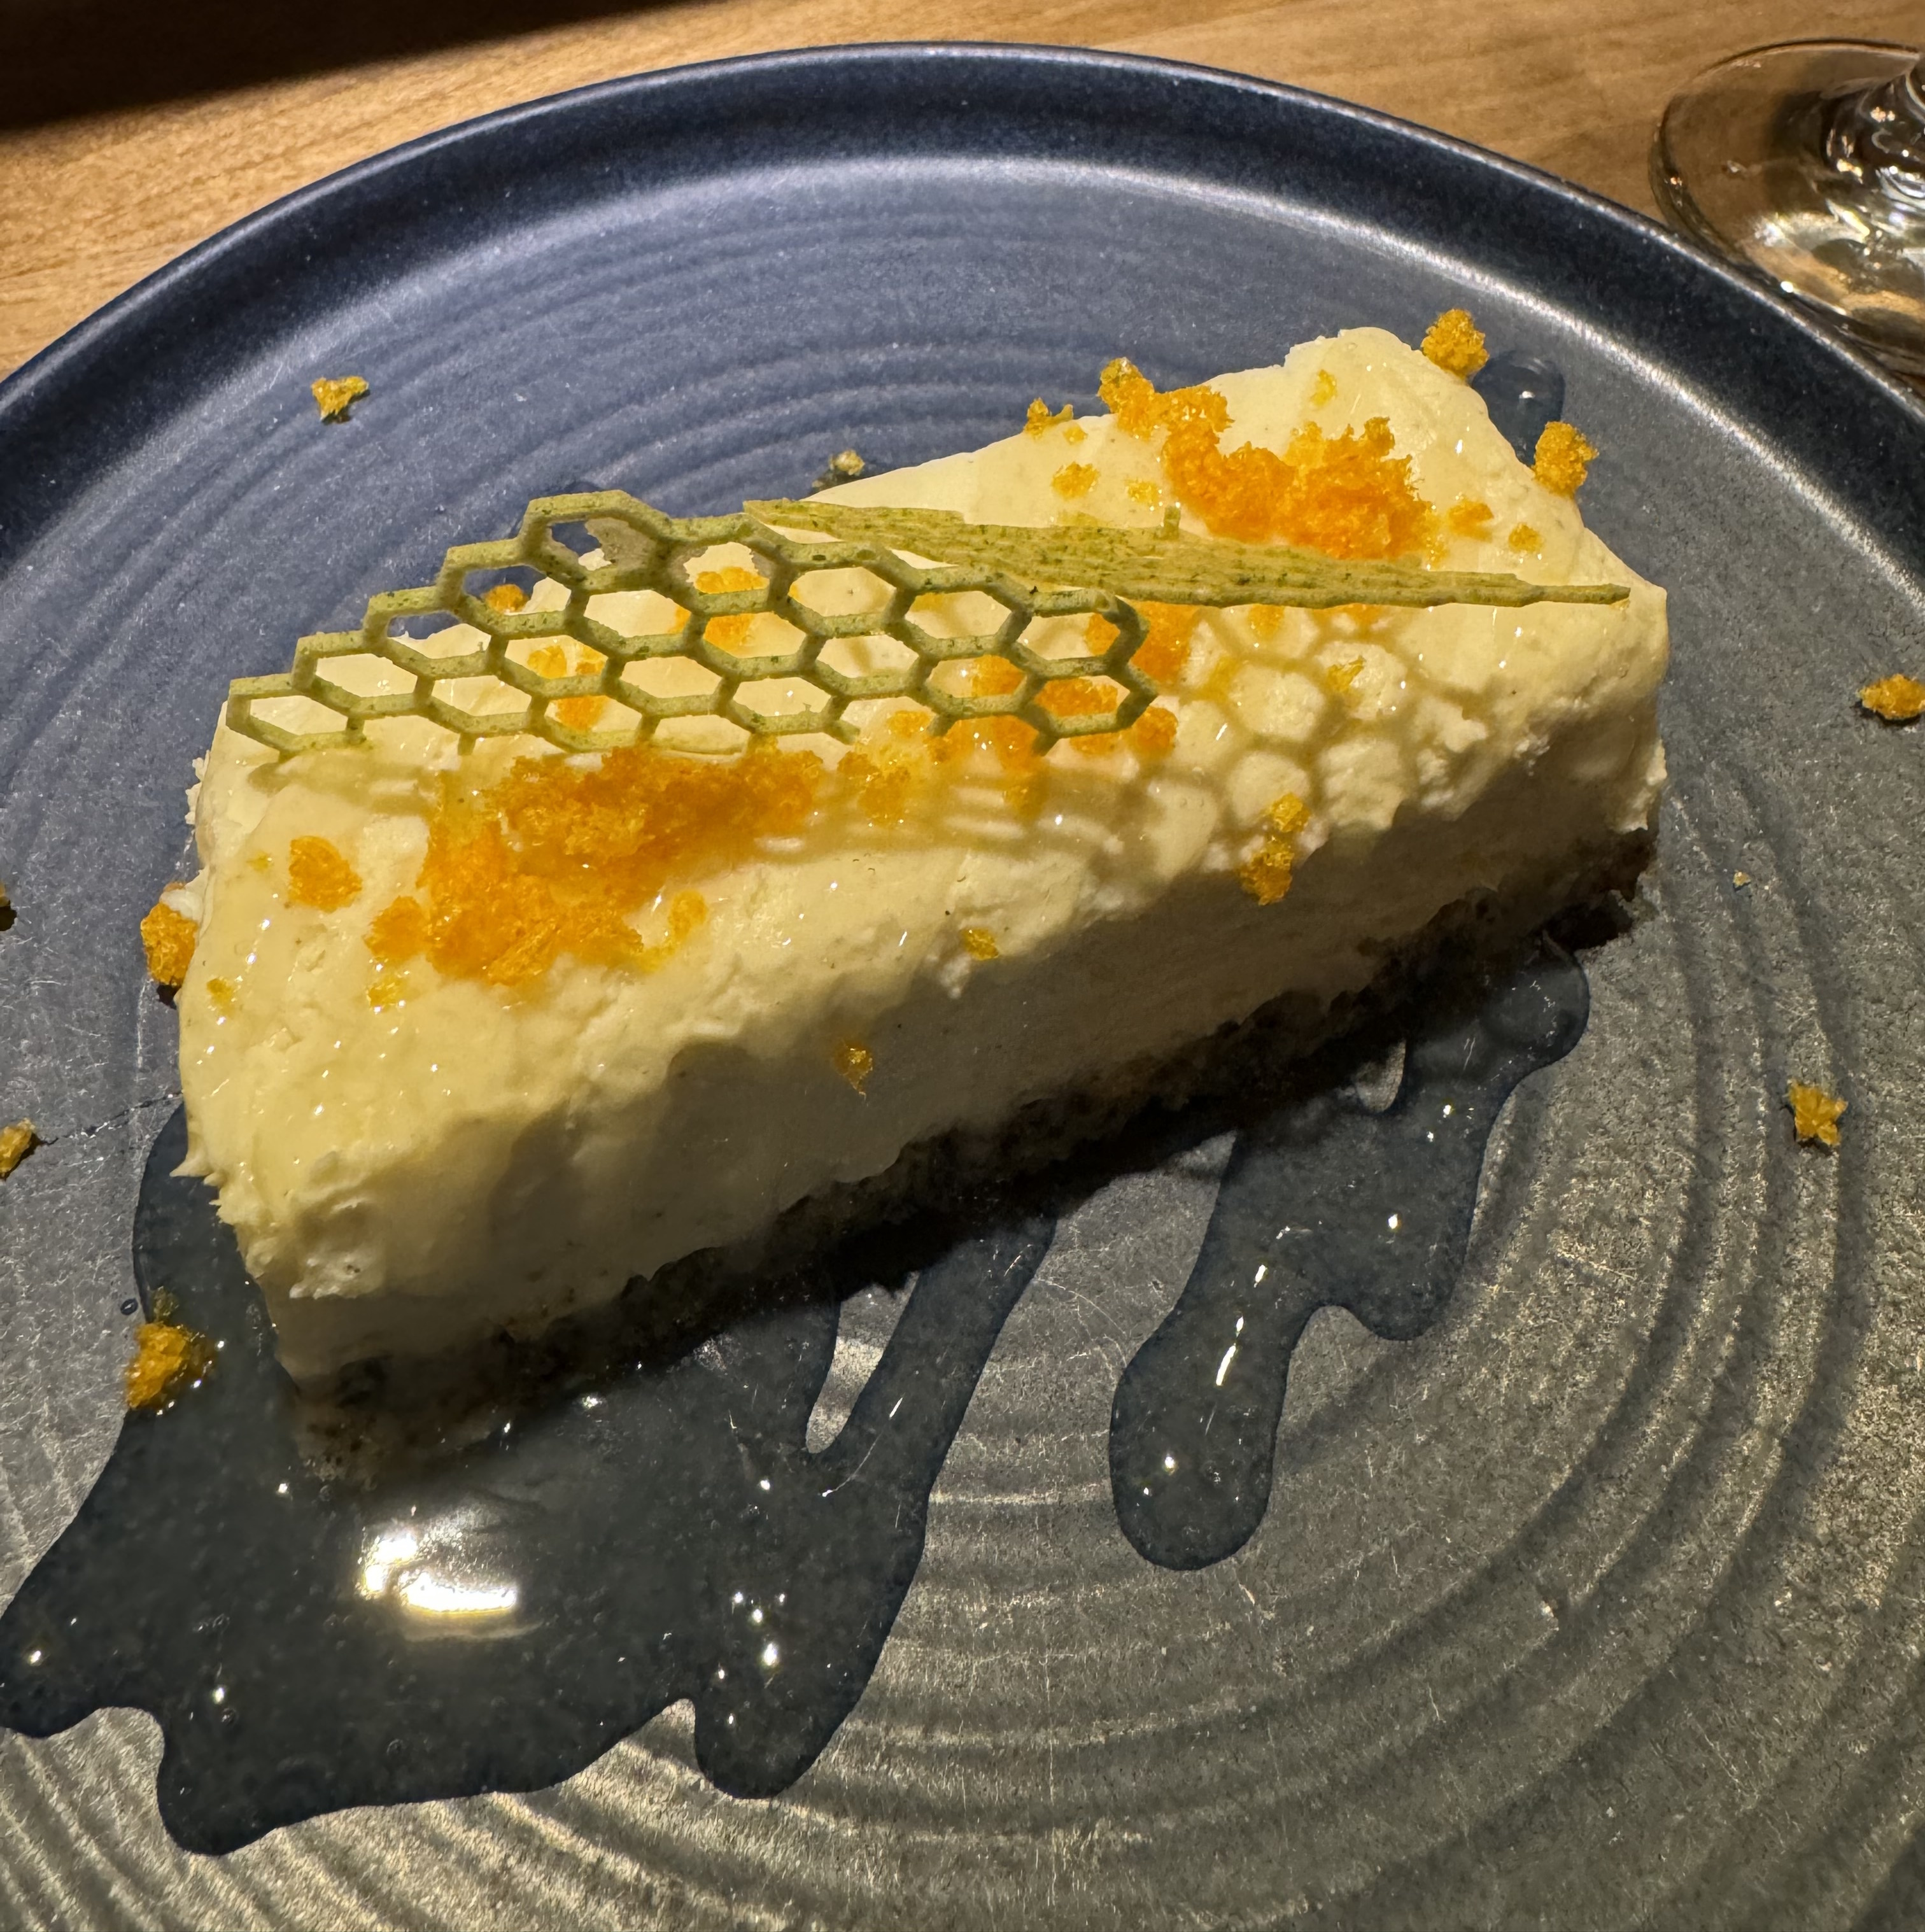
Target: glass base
(1804, 163)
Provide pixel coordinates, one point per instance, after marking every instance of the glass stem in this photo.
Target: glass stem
(1878, 137)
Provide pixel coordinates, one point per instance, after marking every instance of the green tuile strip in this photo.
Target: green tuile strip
(1160, 565)
(1066, 571)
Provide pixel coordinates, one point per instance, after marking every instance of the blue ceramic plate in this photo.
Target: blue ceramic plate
(1596, 1603)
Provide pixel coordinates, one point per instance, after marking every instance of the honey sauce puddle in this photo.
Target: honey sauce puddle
(497, 1621)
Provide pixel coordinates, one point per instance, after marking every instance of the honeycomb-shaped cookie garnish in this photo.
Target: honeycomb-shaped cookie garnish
(1013, 576)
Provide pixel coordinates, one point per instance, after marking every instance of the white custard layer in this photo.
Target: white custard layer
(406, 1178)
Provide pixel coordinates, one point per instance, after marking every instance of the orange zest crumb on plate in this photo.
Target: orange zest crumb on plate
(1564, 457)
(1897, 699)
(17, 1142)
(168, 938)
(1815, 1113)
(335, 395)
(167, 1358)
(1523, 537)
(1074, 480)
(1455, 344)
(1040, 419)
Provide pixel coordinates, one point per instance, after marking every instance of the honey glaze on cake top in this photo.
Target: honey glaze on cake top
(507, 1026)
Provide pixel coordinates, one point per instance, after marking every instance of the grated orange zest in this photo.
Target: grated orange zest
(729, 634)
(17, 1142)
(554, 858)
(335, 395)
(168, 938)
(1163, 654)
(167, 1358)
(580, 714)
(1564, 457)
(318, 874)
(1815, 1113)
(1898, 699)
(1347, 496)
(1154, 733)
(1268, 875)
(1455, 344)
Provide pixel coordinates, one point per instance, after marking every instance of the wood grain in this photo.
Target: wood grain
(89, 204)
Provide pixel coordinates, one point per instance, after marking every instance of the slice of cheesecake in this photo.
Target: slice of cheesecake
(473, 1034)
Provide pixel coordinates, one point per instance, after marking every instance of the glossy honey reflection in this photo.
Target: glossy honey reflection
(495, 1620)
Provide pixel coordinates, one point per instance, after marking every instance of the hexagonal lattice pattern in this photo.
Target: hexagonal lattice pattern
(1026, 573)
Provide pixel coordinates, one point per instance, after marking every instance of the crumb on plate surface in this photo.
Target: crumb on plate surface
(167, 1358)
(1815, 1113)
(1897, 699)
(335, 395)
(17, 1142)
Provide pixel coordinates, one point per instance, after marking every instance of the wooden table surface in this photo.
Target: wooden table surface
(108, 168)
